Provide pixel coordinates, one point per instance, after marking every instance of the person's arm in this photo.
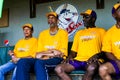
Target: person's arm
(49, 53)
(97, 56)
(111, 56)
(71, 56)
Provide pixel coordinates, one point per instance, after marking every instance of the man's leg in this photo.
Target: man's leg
(105, 70)
(90, 71)
(41, 67)
(6, 68)
(24, 67)
(62, 70)
(14, 74)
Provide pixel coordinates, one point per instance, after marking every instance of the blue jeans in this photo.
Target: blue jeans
(26, 65)
(41, 67)
(6, 68)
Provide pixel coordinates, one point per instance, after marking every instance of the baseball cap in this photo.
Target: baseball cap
(115, 7)
(52, 13)
(89, 12)
(27, 25)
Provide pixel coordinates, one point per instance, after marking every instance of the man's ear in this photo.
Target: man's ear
(114, 15)
(93, 19)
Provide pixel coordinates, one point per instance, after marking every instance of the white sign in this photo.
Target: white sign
(68, 17)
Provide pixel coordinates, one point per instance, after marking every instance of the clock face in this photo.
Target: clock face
(68, 17)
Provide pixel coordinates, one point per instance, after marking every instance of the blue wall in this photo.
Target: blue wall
(19, 14)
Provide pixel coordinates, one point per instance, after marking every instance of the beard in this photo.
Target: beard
(89, 24)
(117, 19)
(53, 24)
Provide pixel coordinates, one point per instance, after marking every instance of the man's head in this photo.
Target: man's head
(52, 19)
(89, 18)
(116, 11)
(28, 30)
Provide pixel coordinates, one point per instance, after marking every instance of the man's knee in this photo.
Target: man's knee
(103, 70)
(92, 68)
(59, 69)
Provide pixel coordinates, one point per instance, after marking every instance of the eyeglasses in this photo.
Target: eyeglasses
(86, 16)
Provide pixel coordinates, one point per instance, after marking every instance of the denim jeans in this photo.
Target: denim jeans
(41, 67)
(24, 67)
(9, 66)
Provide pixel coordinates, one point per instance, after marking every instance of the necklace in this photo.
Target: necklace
(53, 33)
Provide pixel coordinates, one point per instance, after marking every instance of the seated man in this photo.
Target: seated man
(87, 42)
(23, 49)
(111, 47)
(52, 46)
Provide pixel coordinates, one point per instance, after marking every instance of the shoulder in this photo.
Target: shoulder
(33, 38)
(100, 28)
(20, 41)
(63, 31)
(80, 31)
(44, 31)
(110, 30)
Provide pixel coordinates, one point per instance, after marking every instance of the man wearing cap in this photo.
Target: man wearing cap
(87, 42)
(111, 47)
(23, 49)
(52, 47)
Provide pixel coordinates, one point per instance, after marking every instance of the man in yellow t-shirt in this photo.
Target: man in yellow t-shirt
(87, 42)
(24, 48)
(111, 47)
(52, 47)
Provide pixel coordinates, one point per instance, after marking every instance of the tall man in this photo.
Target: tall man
(87, 42)
(24, 48)
(52, 46)
(111, 47)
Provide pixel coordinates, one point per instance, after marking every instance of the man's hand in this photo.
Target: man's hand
(39, 55)
(67, 59)
(15, 59)
(92, 59)
(10, 52)
(44, 55)
(56, 53)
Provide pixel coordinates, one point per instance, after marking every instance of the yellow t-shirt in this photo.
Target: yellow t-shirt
(26, 48)
(58, 41)
(87, 42)
(111, 41)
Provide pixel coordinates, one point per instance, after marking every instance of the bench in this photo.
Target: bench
(4, 58)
